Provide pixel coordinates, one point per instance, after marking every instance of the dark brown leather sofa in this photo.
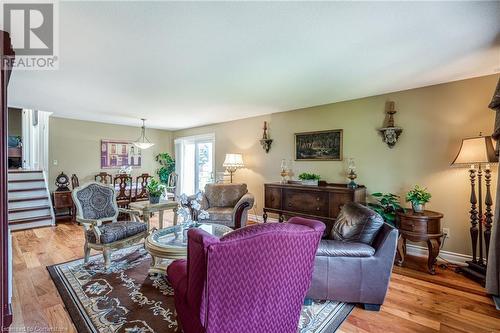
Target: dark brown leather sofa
(354, 262)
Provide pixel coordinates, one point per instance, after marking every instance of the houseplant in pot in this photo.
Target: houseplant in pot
(387, 206)
(309, 178)
(418, 197)
(167, 166)
(155, 191)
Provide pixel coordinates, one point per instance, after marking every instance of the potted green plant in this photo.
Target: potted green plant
(309, 178)
(387, 206)
(167, 166)
(418, 197)
(155, 191)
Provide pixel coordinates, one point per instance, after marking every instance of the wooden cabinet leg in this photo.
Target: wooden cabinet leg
(433, 246)
(401, 251)
(281, 218)
(264, 216)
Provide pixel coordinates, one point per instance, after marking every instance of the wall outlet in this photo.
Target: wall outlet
(446, 231)
(55, 162)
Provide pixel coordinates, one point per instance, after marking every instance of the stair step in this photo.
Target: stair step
(41, 197)
(26, 185)
(29, 214)
(27, 194)
(24, 175)
(26, 209)
(26, 180)
(39, 218)
(27, 189)
(31, 225)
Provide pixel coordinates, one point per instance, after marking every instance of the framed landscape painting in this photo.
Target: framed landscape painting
(319, 146)
(116, 154)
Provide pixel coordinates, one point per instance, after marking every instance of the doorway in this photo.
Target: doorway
(195, 162)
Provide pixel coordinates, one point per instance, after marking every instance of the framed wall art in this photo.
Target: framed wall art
(319, 146)
(116, 154)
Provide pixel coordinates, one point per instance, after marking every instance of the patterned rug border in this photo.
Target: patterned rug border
(72, 303)
(339, 320)
(69, 302)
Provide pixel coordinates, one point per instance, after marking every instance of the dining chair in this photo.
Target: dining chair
(103, 178)
(122, 183)
(74, 181)
(141, 183)
(171, 187)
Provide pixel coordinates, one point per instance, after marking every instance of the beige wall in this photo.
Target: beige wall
(75, 144)
(434, 118)
(15, 122)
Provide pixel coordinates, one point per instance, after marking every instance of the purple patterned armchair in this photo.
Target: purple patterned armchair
(253, 279)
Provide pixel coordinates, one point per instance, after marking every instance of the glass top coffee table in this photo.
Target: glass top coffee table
(171, 243)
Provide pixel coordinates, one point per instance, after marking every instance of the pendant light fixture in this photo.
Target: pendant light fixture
(143, 142)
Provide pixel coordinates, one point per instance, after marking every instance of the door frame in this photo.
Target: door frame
(207, 137)
(5, 51)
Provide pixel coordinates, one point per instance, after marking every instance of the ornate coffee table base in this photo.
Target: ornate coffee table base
(169, 244)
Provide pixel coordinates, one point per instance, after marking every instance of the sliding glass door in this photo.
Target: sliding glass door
(195, 163)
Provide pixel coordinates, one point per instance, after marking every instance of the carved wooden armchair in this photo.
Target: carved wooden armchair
(95, 205)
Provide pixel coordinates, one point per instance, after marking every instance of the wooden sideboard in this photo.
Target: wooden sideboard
(321, 202)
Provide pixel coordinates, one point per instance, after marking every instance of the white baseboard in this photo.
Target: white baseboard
(415, 250)
(452, 257)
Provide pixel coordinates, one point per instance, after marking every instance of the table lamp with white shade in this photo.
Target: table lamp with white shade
(478, 151)
(232, 163)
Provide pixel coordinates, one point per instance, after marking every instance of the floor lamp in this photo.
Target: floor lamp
(233, 162)
(478, 151)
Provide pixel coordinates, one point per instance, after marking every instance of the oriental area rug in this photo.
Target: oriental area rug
(126, 299)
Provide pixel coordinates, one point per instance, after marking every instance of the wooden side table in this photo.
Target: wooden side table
(419, 227)
(63, 200)
(146, 208)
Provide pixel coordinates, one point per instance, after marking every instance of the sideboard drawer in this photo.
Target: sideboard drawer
(413, 225)
(273, 197)
(306, 202)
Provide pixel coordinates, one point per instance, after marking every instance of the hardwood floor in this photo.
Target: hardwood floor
(416, 301)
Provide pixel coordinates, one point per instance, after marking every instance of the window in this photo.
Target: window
(195, 162)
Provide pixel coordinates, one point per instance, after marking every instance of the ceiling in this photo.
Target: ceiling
(185, 64)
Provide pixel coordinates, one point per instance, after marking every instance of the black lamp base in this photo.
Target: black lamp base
(474, 271)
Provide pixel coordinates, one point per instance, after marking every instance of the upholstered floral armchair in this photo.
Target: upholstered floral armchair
(227, 204)
(95, 205)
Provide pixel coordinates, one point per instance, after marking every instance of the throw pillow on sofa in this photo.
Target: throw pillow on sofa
(356, 223)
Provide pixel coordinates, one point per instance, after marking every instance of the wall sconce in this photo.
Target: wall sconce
(390, 133)
(265, 141)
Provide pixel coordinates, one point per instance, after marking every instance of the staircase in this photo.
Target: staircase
(29, 205)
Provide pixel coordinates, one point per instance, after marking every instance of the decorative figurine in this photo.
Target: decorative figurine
(391, 133)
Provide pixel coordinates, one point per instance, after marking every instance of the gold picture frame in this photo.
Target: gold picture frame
(319, 145)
